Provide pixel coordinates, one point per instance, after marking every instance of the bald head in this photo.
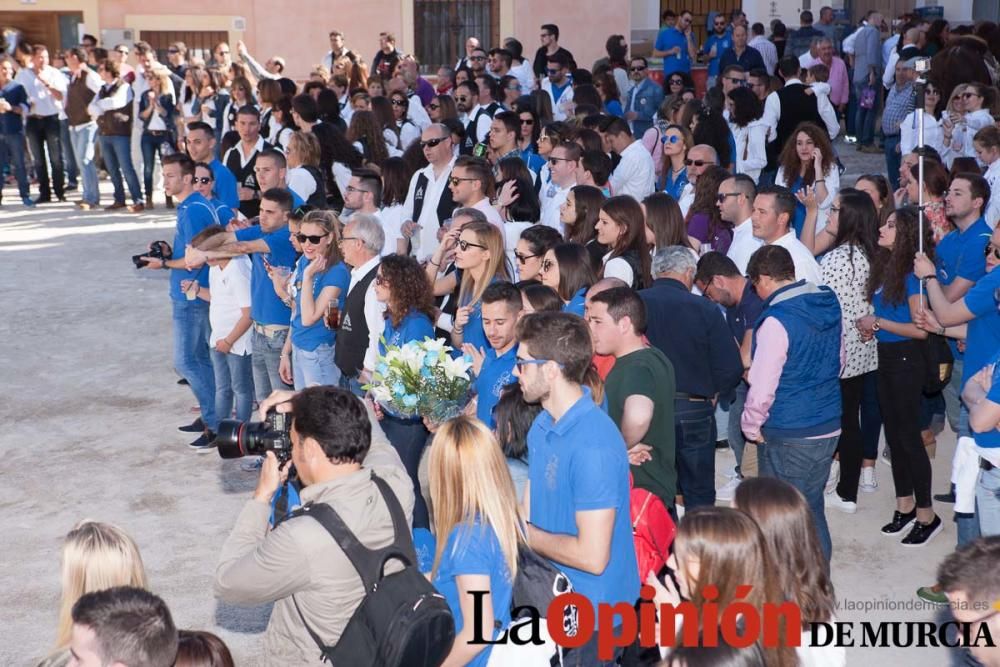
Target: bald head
(911, 36)
(603, 285)
(704, 154)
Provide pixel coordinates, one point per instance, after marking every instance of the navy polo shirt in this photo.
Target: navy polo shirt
(744, 314)
(265, 306)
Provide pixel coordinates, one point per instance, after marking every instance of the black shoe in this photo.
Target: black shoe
(722, 444)
(197, 426)
(899, 522)
(44, 200)
(945, 497)
(204, 443)
(922, 533)
(182, 381)
(61, 198)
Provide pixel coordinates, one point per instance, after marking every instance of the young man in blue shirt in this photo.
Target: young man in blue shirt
(200, 144)
(577, 494)
(270, 248)
(676, 46)
(982, 392)
(495, 366)
(720, 41)
(192, 329)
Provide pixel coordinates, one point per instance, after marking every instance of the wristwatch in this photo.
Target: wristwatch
(875, 325)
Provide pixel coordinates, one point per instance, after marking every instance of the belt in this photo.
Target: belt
(269, 329)
(157, 133)
(36, 116)
(681, 396)
(985, 465)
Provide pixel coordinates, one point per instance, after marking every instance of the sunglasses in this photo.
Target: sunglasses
(173, 51)
(204, 180)
(676, 82)
(455, 180)
(966, 96)
(547, 265)
(521, 363)
(513, 87)
(434, 106)
(465, 245)
(315, 240)
(400, 103)
(695, 163)
(552, 72)
(523, 259)
(722, 196)
(554, 160)
(636, 69)
(477, 57)
(672, 139)
(527, 121)
(990, 248)
(431, 143)
(461, 98)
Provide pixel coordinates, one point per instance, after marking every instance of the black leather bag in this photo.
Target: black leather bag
(939, 361)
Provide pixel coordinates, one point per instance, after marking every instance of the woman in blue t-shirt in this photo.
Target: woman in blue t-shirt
(480, 255)
(478, 529)
(402, 285)
(894, 293)
(319, 285)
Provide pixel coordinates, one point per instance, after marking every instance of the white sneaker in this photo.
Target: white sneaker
(728, 490)
(831, 481)
(680, 511)
(835, 501)
(869, 482)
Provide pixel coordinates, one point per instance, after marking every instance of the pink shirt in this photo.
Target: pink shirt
(765, 372)
(840, 89)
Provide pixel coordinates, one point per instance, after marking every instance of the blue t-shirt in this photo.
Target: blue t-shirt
(224, 212)
(982, 338)
(475, 549)
(265, 306)
(680, 62)
(899, 312)
(414, 326)
(17, 96)
(534, 161)
(960, 255)
(310, 337)
(674, 187)
(991, 438)
(193, 215)
(614, 108)
(578, 464)
(577, 304)
(225, 184)
(496, 373)
(721, 44)
(743, 315)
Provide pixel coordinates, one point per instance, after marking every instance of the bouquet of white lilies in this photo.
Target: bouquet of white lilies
(421, 378)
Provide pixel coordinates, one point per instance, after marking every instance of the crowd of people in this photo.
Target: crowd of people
(637, 273)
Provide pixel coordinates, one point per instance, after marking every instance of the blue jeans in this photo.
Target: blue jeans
(694, 424)
(117, 155)
(864, 123)
(353, 385)
(151, 145)
(316, 367)
(43, 136)
(233, 379)
(83, 138)
(892, 159)
(191, 355)
(988, 502)
(805, 464)
(408, 437)
(69, 154)
(12, 153)
(266, 357)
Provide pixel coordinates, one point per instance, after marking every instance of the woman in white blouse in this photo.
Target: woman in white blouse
(933, 131)
(979, 101)
(808, 161)
(749, 131)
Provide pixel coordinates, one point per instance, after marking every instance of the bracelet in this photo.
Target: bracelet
(819, 180)
(875, 325)
(433, 263)
(457, 330)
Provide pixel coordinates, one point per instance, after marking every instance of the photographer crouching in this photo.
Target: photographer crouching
(337, 449)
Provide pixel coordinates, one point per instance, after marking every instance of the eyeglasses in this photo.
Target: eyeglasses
(348, 238)
(204, 180)
(695, 163)
(552, 72)
(431, 143)
(477, 57)
(672, 139)
(676, 82)
(400, 103)
(455, 180)
(351, 188)
(380, 280)
(990, 248)
(721, 197)
(720, 25)
(521, 363)
(517, 87)
(173, 51)
(465, 245)
(523, 259)
(315, 240)
(461, 98)
(641, 68)
(966, 96)
(527, 121)
(547, 265)
(834, 209)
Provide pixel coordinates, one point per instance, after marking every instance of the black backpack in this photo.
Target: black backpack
(402, 619)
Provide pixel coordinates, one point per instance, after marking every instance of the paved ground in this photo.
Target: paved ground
(88, 431)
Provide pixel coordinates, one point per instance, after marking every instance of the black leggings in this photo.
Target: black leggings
(901, 371)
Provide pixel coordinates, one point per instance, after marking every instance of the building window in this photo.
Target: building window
(442, 26)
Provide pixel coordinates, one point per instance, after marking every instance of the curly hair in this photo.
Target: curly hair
(890, 267)
(789, 158)
(409, 288)
(365, 129)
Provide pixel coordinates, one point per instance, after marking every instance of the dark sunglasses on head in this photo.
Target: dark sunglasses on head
(695, 163)
(431, 143)
(465, 245)
(315, 240)
(204, 180)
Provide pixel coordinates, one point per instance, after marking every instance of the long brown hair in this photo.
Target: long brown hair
(627, 214)
(663, 216)
(786, 521)
(587, 200)
(705, 192)
(365, 129)
(890, 267)
(789, 158)
(409, 288)
(330, 223)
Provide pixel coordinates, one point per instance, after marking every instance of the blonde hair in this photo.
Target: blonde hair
(95, 556)
(956, 93)
(306, 145)
(489, 235)
(470, 480)
(330, 223)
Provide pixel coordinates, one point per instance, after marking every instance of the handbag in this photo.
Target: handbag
(867, 100)
(939, 363)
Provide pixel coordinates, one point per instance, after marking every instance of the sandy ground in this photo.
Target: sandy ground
(88, 430)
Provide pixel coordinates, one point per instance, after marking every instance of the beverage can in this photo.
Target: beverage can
(332, 319)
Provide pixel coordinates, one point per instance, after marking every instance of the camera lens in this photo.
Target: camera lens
(228, 439)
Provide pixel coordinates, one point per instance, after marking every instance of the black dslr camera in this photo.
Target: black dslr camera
(157, 250)
(235, 438)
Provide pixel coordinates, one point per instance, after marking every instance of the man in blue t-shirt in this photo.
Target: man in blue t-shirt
(982, 392)
(495, 366)
(676, 46)
(271, 251)
(720, 41)
(188, 292)
(200, 144)
(578, 486)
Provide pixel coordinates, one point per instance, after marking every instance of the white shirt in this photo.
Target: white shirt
(482, 124)
(342, 175)
(933, 135)
(117, 100)
(806, 267)
(408, 133)
(848, 44)
(636, 174)
(805, 59)
(425, 241)
(992, 213)
(552, 200)
(751, 148)
(258, 147)
(230, 288)
(560, 107)
(392, 226)
(374, 310)
(42, 101)
(768, 52)
(772, 110)
(301, 182)
(94, 84)
(889, 73)
(618, 268)
(525, 76)
(416, 113)
(743, 246)
(491, 213)
(821, 90)
(687, 198)
(832, 177)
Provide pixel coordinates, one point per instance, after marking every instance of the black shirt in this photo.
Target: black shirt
(692, 333)
(542, 57)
